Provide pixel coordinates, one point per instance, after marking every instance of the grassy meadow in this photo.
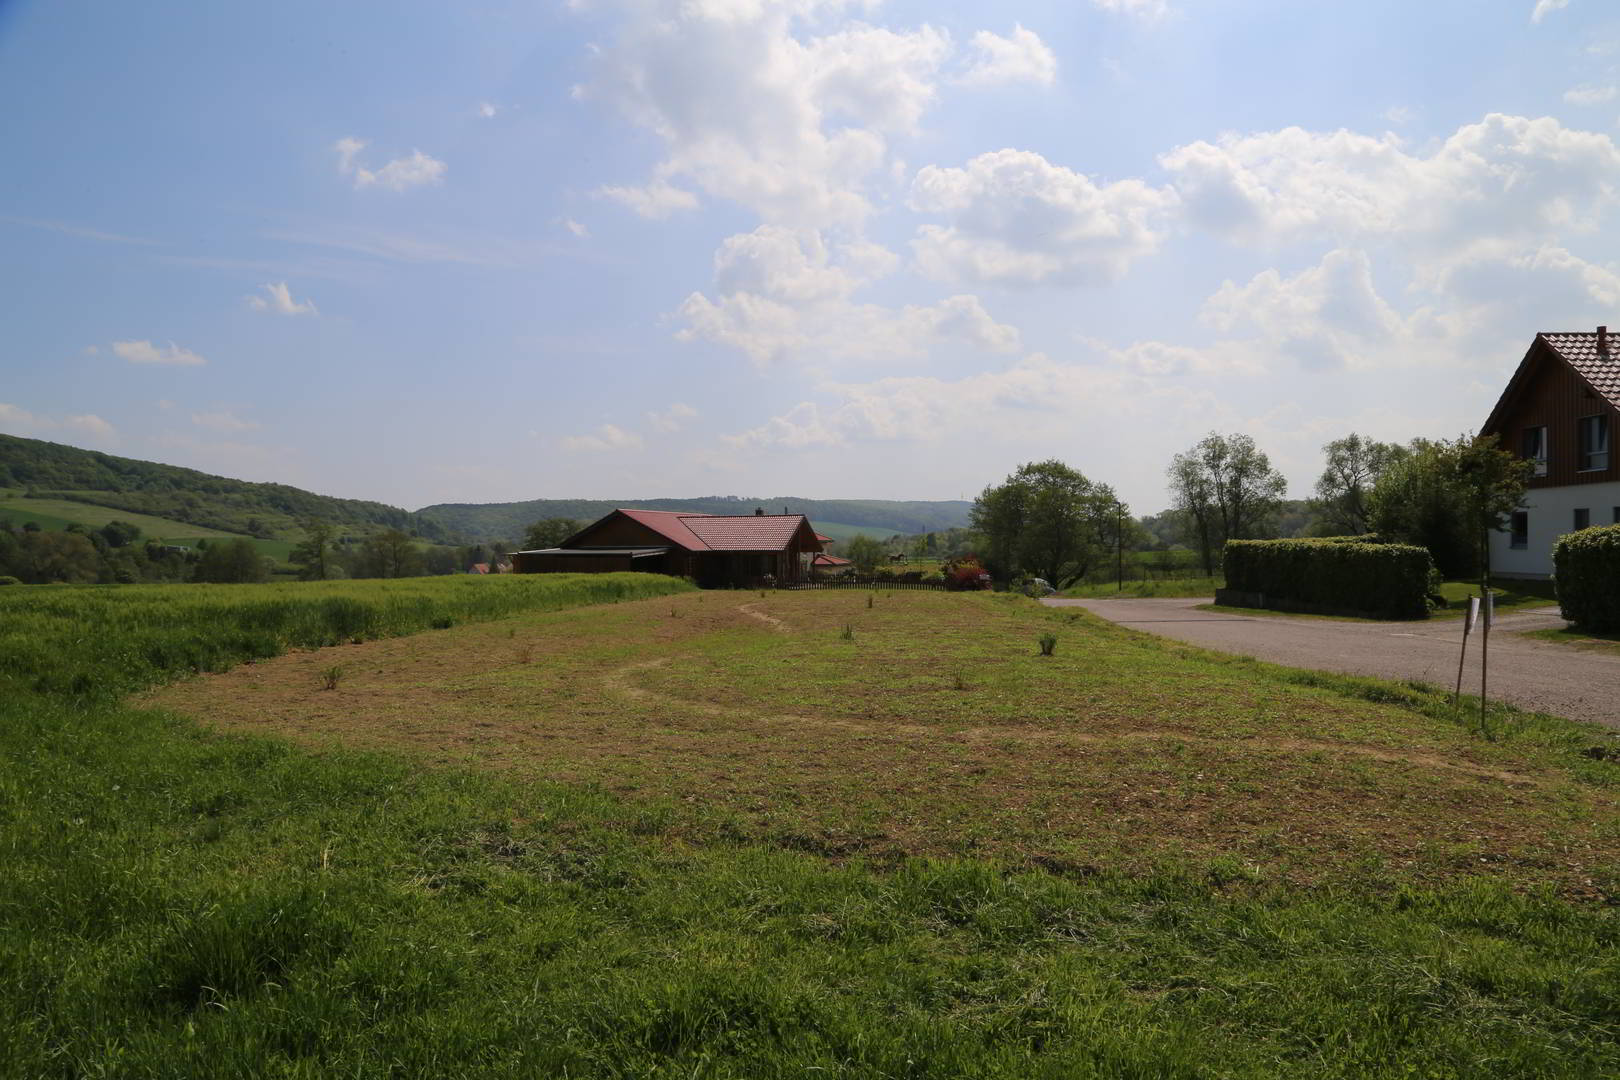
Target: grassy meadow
(732, 835)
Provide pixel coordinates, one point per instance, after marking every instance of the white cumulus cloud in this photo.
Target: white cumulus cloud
(144, 352)
(754, 105)
(400, 174)
(1015, 218)
(606, 437)
(1020, 57)
(15, 420)
(1592, 95)
(786, 294)
(278, 299)
(1544, 8)
(1145, 9)
(673, 418)
(1506, 176)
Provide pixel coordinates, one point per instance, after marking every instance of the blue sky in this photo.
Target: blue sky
(634, 248)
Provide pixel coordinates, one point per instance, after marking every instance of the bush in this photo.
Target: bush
(1352, 574)
(7, 579)
(1586, 571)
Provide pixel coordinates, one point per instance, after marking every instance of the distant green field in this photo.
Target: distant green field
(840, 531)
(60, 513)
(56, 514)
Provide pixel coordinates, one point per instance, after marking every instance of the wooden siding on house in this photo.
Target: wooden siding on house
(1553, 396)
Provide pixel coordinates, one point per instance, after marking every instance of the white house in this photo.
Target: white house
(1559, 410)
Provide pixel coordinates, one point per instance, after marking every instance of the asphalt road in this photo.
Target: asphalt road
(1559, 679)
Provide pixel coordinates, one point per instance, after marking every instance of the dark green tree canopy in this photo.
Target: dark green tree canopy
(1049, 520)
(1449, 497)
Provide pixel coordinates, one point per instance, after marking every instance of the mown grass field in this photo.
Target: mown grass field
(715, 835)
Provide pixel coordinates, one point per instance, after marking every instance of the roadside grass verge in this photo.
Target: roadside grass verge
(182, 901)
(1579, 639)
(1159, 587)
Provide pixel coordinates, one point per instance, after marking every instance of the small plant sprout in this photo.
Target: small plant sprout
(848, 633)
(1048, 643)
(330, 677)
(958, 681)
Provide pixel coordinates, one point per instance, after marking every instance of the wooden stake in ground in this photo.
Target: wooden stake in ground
(1487, 610)
(1468, 628)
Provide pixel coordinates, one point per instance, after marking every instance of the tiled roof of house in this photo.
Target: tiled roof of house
(1602, 370)
(721, 532)
(755, 532)
(830, 560)
(670, 524)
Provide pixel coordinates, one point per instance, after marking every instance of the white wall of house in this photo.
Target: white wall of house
(1552, 514)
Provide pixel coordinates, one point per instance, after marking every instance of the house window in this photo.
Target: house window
(1520, 535)
(1594, 435)
(1535, 448)
(1583, 518)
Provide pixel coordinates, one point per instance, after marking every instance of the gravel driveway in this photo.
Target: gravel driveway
(1580, 684)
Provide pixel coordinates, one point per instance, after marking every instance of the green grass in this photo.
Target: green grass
(1510, 595)
(56, 514)
(182, 902)
(1580, 639)
(1163, 588)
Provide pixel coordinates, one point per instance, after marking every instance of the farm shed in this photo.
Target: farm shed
(715, 550)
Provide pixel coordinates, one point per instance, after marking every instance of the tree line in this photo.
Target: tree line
(1049, 520)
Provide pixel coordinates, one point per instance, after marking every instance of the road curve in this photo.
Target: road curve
(1558, 679)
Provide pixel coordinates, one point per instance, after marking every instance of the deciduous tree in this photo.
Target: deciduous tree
(1351, 469)
(1226, 489)
(1047, 519)
(313, 554)
(1449, 497)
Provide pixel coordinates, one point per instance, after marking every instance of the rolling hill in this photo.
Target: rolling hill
(877, 517)
(67, 474)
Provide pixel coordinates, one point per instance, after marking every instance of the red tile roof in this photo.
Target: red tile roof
(1580, 352)
(1602, 370)
(754, 532)
(670, 524)
(830, 560)
(721, 532)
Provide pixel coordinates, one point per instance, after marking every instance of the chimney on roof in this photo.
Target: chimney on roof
(759, 511)
(784, 511)
(1603, 340)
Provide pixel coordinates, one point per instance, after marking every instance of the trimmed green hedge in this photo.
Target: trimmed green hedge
(1341, 573)
(1586, 572)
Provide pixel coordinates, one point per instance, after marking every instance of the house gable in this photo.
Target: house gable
(1562, 378)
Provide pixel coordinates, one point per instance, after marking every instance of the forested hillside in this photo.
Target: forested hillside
(486, 521)
(51, 470)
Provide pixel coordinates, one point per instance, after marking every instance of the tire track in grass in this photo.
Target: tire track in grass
(620, 681)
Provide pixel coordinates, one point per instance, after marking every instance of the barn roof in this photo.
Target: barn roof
(1599, 370)
(713, 532)
(753, 532)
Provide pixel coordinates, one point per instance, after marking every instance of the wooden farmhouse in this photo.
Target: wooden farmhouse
(1559, 410)
(715, 550)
